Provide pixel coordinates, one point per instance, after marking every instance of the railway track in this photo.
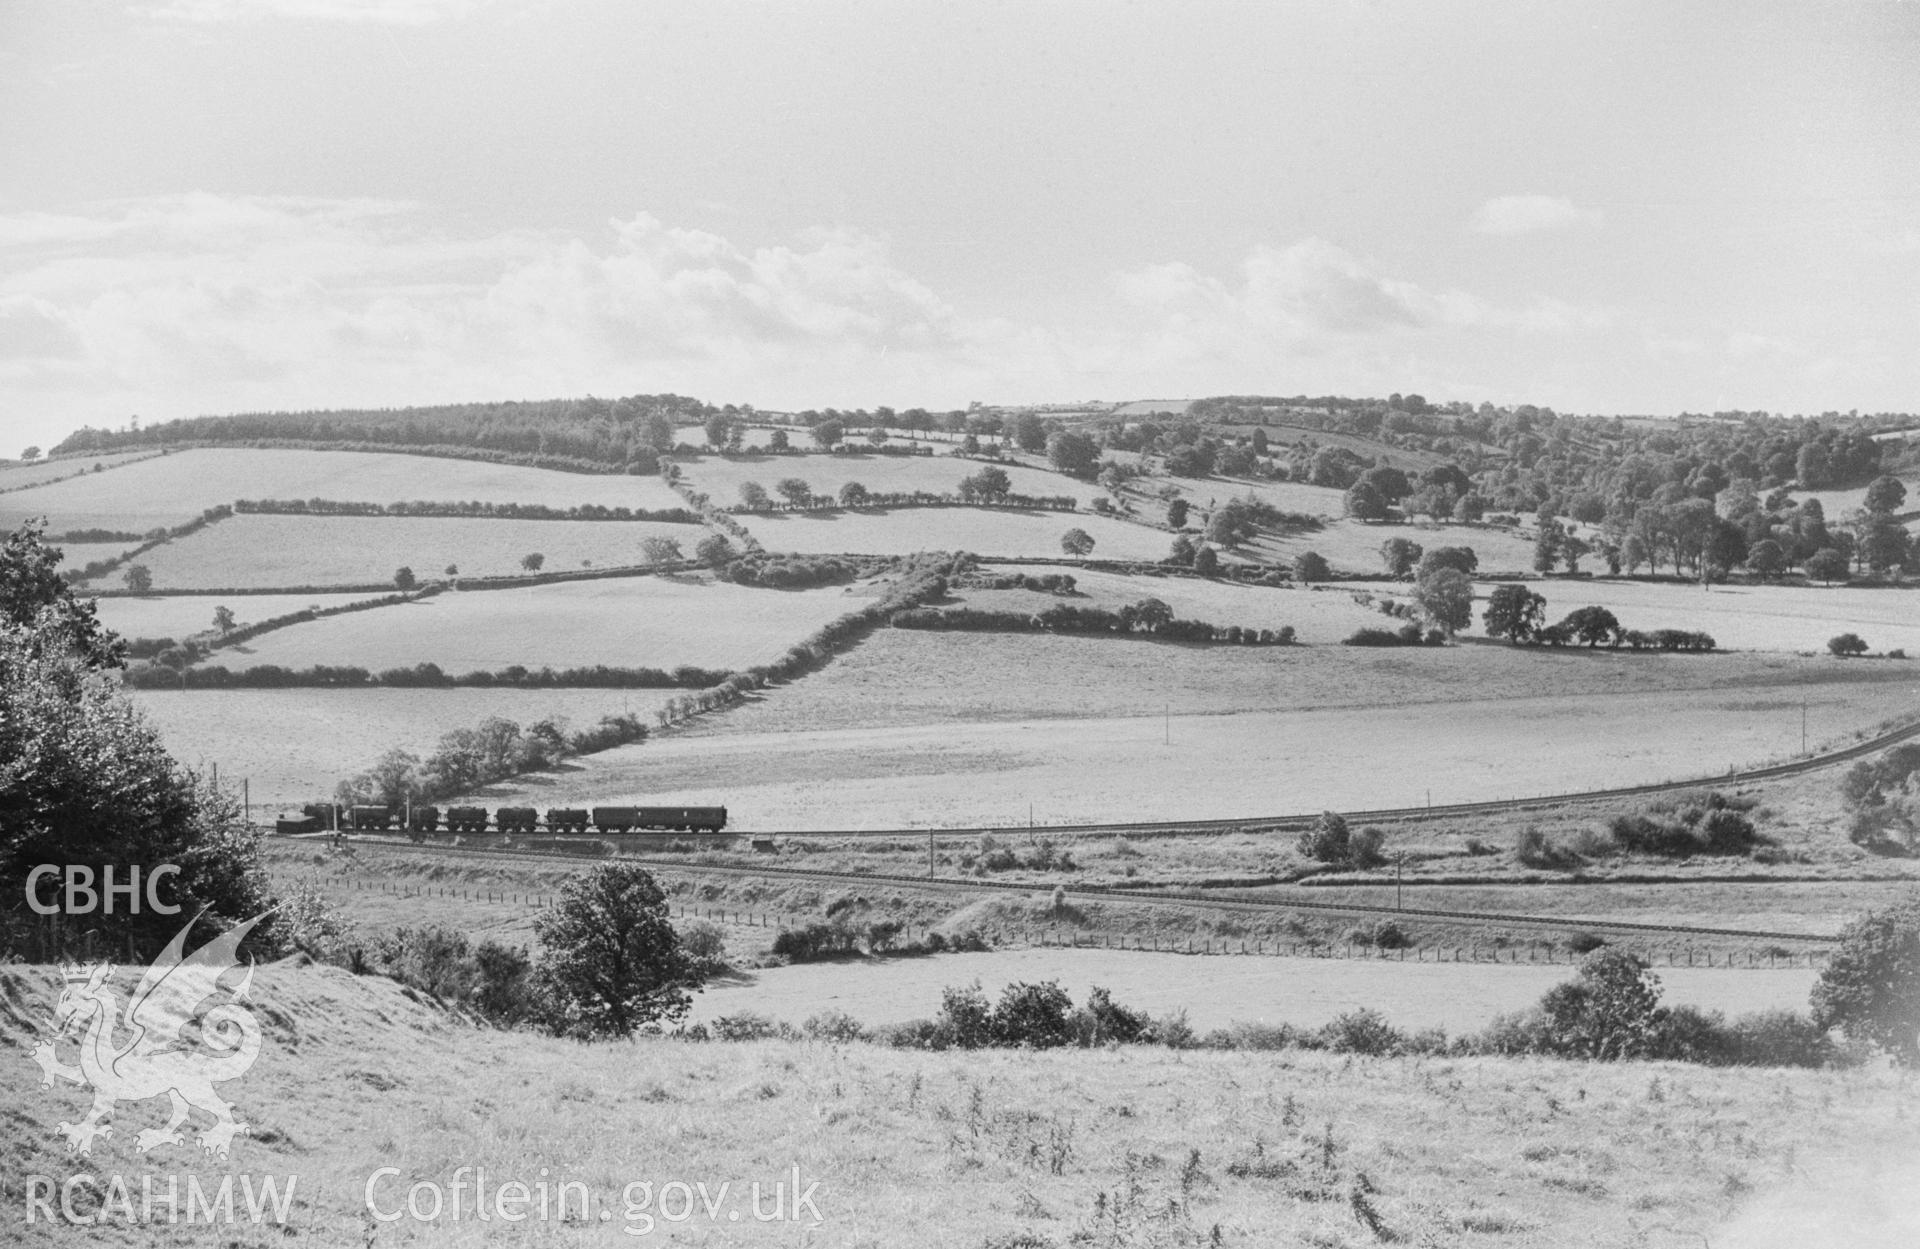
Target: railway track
(1238, 900)
(1388, 815)
(1232, 900)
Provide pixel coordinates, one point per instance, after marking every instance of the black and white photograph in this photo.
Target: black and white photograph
(1004, 624)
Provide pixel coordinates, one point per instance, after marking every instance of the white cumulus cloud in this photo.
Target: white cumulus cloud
(1530, 214)
(179, 305)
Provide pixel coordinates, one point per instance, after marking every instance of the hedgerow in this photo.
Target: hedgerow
(468, 510)
(1070, 618)
(421, 676)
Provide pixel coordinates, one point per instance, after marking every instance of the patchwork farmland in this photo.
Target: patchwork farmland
(1014, 533)
(271, 552)
(721, 477)
(633, 622)
(160, 491)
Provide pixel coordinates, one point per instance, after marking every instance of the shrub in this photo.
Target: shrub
(749, 1027)
(835, 1026)
(1363, 848)
(1033, 1016)
(1780, 1038)
(705, 943)
(1847, 645)
(1106, 1020)
(1870, 986)
(1327, 841)
(965, 1020)
(1363, 1031)
(814, 942)
(1609, 1010)
(1532, 848)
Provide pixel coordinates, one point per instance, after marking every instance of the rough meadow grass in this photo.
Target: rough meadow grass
(1130, 1147)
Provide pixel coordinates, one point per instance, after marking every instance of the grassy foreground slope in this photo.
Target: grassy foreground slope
(1130, 1147)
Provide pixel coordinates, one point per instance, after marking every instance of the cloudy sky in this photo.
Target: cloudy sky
(221, 205)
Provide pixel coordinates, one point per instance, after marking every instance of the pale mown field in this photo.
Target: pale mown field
(980, 530)
(1354, 546)
(1837, 503)
(1315, 617)
(293, 745)
(955, 729)
(1218, 990)
(906, 676)
(14, 474)
(630, 622)
(172, 488)
(271, 551)
(1288, 496)
(1120, 1148)
(80, 554)
(722, 477)
(1740, 617)
(182, 616)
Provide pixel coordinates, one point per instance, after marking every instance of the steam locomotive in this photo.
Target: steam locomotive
(528, 819)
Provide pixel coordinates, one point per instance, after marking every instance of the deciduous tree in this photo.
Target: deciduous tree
(1446, 596)
(610, 958)
(1514, 612)
(1870, 986)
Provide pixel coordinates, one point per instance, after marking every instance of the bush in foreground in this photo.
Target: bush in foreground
(1870, 987)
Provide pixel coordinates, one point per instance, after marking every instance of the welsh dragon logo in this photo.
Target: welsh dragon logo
(185, 1033)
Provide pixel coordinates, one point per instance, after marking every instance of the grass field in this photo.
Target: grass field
(1315, 617)
(1740, 617)
(1835, 504)
(293, 745)
(1752, 617)
(1354, 546)
(15, 475)
(270, 551)
(80, 554)
(183, 616)
(1287, 496)
(1218, 990)
(983, 531)
(632, 622)
(172, 488)
(722, 477)
(1122, 1148)
(949, 729)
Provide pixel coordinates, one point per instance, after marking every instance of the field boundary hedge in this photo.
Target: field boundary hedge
(421, 676)
(92, 459)
(1070, 619)
(470, 510)
(923, 579)
(711, 513)
(101, 567)
(880, 501)
(504, 581)
(637, 467)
